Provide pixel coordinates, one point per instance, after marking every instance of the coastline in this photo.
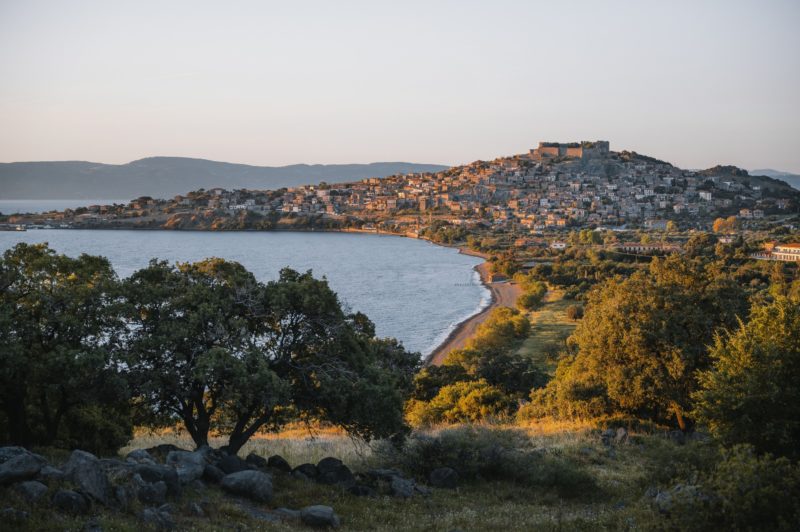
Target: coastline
(502, 294)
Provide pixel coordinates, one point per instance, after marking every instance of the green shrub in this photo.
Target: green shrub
(465, 401)
(482, 453)
(743, 492)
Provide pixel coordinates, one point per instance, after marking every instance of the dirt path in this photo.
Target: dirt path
(504, 294)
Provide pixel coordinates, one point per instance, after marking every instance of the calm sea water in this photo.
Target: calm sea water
(37, 206)
(413, 290)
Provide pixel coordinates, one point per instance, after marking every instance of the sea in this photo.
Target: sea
(411, 289)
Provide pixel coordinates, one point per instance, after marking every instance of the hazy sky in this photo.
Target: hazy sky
(693, 82)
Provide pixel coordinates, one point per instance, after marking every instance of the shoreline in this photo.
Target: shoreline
(502, 294)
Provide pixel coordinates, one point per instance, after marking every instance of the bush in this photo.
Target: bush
(574, 312)
(466, 401)
(743, 492)
(481, 453)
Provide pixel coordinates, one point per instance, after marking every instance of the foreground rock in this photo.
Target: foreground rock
(319, 516)
(188, 465)
(20, 466)
(253, 484)
(85, 471)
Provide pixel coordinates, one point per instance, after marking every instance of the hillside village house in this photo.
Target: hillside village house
(782, 252)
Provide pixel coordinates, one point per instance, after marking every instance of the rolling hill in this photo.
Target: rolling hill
(164, 177)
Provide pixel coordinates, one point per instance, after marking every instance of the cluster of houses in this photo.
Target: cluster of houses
(552, 186)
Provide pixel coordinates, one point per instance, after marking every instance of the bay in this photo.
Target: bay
(411, 289)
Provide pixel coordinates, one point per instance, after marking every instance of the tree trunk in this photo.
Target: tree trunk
(18, 431)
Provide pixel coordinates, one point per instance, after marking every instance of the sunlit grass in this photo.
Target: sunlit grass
(549, 328)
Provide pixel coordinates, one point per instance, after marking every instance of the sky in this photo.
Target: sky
(696, 83)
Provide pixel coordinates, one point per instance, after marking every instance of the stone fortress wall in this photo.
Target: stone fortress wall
(573, 150)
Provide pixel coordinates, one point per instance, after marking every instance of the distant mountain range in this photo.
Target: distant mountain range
(164, 177)
(792, 179)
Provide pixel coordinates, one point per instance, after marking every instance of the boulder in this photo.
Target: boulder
(319, 516)
(157, 518)
(7, 453)
(328, 464)
(188, 465)
(340, 476)
(22, 466)
(160, 452)
(212, 473)
(621, 436)
(48, 473)
(444, 477)
(276, 461)
(86, 473)
(253, 484)
(401, 487)
(70, 502)
(232, 464)
(309, 470)
(287, 513)
(12, 516)
(256, 461)
(155, 493)
(140, 456)
(32, 490)
(384, 474)
(155, 473)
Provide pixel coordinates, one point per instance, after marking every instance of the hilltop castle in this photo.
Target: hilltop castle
(574, 150)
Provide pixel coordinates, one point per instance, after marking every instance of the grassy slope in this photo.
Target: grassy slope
(549, 328)
(622, 474)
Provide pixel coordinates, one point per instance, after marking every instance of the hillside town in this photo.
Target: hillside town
(554, 187)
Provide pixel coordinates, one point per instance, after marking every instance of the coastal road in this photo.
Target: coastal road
(504, 294)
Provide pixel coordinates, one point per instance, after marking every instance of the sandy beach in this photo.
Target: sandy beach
(503, 294)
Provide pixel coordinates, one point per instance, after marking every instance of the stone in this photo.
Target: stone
(319, 516)
(160, 452)
(384, 474)
(188, 465)
(70, 502)
(328, 464)
(425, 491)
(212, 473)
(361, 490)
(232, 464)
(401, 487)
(444, 477)
(158, 519)
(140, 456)
(155, 493)
(309, 470)
(22, 466)
(12, 516)
(621, 436)
(287, 513)
(256, 461)
(276, 461)
(32, 490)
(7, 453)
(48, 473)
(86, 473)
(92, 525)
(253, 484)
(154, 473)
(340, 476)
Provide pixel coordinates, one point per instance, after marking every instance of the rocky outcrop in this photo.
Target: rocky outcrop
(252, 484)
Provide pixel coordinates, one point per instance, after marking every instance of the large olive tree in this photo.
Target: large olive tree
(211, 346)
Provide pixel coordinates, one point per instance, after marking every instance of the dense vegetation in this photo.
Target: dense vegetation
(203, 344)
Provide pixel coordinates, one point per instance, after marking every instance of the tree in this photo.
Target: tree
(641, 342)
(211, 346)
(461, 402)
(752, 393)
(58, 325)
